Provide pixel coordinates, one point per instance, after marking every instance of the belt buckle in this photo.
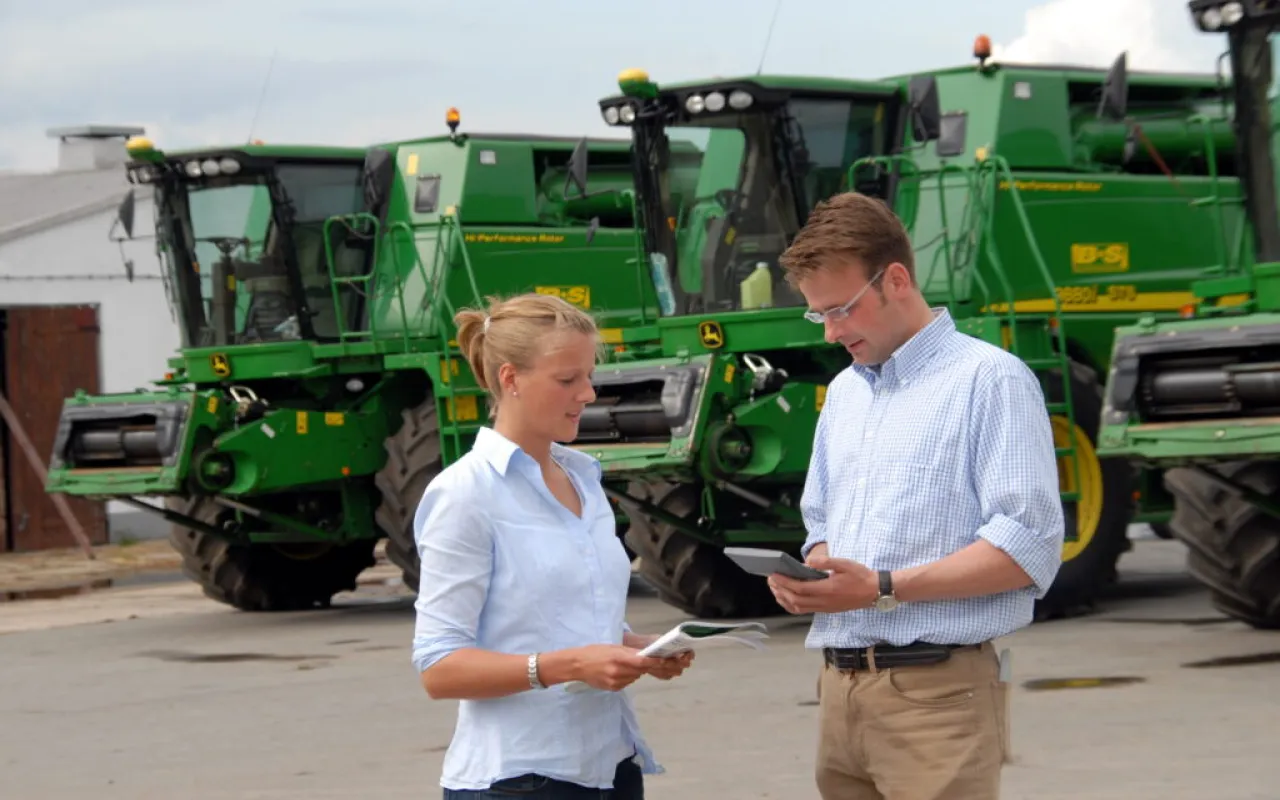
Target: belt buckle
(847, 659)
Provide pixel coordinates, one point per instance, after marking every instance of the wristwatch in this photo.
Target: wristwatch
(886, 601)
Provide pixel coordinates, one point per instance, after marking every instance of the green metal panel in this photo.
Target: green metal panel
(302, 421)
(1040, 223)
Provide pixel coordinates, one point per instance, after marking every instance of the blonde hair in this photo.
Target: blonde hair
(509, 331)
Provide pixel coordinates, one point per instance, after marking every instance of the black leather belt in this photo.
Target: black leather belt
(911, 655)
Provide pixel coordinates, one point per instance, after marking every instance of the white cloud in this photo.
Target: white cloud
(1157, 34)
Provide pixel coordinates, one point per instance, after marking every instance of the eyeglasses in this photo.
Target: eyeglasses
(837, 314)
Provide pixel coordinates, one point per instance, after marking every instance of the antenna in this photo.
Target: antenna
(263, 95)
(769, 36)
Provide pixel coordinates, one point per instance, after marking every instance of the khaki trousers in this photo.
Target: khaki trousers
(935, 732)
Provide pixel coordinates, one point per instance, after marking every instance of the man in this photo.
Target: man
(932, 500)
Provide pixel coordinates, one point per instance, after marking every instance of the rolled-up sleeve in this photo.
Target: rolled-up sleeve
(1016, 473)
(455, 546)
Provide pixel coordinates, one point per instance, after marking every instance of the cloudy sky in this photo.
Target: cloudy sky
(342, 72)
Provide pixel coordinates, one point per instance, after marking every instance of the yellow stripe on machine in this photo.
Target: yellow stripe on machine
(1117, 298)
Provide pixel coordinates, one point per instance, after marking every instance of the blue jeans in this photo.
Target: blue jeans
(628, 784)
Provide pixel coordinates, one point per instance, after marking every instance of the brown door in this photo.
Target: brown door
(49, 353)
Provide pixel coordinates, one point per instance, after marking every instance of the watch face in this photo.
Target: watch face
(886, 603)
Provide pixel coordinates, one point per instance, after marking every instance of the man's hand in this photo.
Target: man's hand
(819, 550)
(850, 586)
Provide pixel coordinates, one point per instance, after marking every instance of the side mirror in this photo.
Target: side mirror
(1114, 103)
(376, 178)
(125, 214)
(577, 168)
(925, 110)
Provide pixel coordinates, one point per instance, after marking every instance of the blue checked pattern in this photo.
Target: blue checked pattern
(947, 442)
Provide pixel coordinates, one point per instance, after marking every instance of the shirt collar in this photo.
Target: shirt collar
(915, 354)
(499, 451)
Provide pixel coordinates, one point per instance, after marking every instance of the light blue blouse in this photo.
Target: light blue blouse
(506, 567)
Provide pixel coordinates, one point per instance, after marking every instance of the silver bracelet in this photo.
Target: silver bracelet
(534, 681)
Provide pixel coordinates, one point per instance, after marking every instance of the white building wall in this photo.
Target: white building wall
(138, 333)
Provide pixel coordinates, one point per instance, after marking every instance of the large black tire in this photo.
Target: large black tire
(414, 458)
(1233, 547)
(265, 577)
(1105, 507)
(693, 576)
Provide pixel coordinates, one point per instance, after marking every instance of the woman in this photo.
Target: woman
(524, 582)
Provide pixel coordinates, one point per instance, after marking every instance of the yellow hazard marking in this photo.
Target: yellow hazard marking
(411, 168)
(462, 408)
(334, 418)
(301, 423)
(1123, 297)
(212, 408)
(820, 397)
(447, 366)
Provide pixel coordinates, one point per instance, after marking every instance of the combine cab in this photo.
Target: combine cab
(1047, 206)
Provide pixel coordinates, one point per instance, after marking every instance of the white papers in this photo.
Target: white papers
(696, 635)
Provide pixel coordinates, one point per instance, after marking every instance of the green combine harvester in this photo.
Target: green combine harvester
(1200, 398)
(1048, 206)
(318, 387)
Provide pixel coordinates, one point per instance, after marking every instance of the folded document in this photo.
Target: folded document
(694, 635)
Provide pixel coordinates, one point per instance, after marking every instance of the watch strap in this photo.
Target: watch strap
(886, 583)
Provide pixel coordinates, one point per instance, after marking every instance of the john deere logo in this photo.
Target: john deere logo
(711, 334)
(221, 366)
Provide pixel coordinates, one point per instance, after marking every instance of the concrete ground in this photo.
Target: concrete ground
(152, 691)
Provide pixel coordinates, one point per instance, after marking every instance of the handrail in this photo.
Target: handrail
(976, 235)
(449, 236)
(350, 222)
(999, 167)
(914, 171)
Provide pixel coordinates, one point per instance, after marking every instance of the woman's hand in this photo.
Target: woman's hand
(672, 667)
(638, 641)
(665, 668)
(609, 667)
